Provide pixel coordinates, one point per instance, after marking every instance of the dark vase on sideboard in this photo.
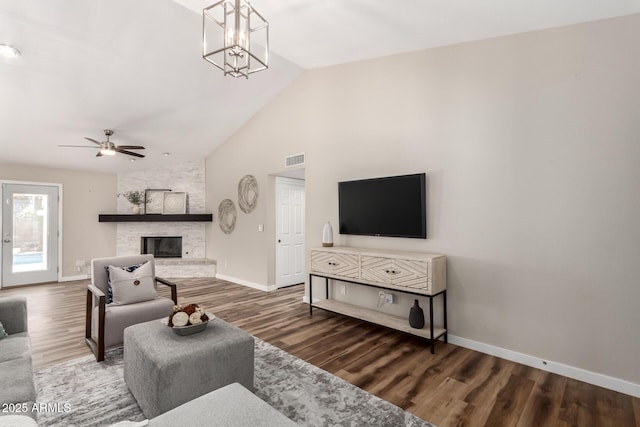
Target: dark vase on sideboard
(416, 316)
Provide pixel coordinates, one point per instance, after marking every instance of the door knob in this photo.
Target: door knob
(279, 240)
(7, 240)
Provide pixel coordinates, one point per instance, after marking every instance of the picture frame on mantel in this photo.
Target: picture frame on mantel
(154, 201)
(174, 203)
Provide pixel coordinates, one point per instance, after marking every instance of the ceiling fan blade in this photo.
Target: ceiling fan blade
(130, 153)
(130, 147)
(93, 140)
(78, 146)
(99, 154)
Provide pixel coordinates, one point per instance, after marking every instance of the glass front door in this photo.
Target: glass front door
(29, 234)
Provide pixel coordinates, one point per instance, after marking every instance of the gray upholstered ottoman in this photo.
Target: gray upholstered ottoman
(164, 370)
(230, 406)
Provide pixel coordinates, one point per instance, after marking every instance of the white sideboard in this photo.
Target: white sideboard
(409, 272)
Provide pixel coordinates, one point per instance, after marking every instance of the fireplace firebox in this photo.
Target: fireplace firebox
(162, 246)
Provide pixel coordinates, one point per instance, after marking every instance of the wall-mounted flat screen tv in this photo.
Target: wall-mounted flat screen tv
(393, 206)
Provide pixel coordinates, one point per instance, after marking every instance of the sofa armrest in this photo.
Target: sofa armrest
(173, 286)
(13, 314)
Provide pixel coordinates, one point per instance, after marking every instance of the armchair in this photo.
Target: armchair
(105, 323)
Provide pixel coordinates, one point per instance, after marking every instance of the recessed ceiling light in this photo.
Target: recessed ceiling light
(9, 51)
(132, 160)
(166, 154)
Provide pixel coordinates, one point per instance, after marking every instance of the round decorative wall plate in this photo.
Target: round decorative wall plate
(247, 193)
(227, 215)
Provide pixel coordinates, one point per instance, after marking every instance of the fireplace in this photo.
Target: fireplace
(162, 246)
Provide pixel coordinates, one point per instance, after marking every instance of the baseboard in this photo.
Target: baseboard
(580, 374)
(242, 282)
(74, 278)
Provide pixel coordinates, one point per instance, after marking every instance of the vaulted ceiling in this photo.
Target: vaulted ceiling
(135, 66)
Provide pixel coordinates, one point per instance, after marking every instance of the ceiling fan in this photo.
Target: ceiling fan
(108, 148)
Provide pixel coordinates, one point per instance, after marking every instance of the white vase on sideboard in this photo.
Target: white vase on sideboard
(327, 235)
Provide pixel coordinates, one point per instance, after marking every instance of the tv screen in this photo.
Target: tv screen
(393, 206)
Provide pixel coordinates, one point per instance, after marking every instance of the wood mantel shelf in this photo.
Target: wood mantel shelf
(154, 218)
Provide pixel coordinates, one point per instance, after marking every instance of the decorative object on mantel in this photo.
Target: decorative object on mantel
(227, 215)
(327, 235)
(235, 38)
(188, 319)
(174, 202)
(247, 193)
(154, 199)
(136, 198)
(416, 316)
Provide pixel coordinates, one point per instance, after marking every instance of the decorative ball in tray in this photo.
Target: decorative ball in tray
(188, 319)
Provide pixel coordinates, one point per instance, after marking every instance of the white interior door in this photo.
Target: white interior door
(289, 231)
(29, 234)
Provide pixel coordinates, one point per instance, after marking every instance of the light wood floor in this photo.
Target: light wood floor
(453, 387)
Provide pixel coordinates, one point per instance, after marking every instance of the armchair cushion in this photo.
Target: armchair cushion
(118, 317)
(131, 287)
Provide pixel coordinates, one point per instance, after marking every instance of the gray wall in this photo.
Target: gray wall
(530, 145)
(85, 195)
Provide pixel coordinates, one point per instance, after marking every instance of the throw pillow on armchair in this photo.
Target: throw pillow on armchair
(131, 287)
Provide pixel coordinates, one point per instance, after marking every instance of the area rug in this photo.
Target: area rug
(83, 393)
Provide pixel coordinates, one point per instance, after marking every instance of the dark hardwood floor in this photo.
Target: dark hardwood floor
(453, 387)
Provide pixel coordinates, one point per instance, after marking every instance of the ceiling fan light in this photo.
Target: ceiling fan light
(107, 152)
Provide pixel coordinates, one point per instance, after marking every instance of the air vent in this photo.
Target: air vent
(295, 160)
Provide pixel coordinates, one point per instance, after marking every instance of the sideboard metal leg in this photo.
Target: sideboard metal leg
(433, 339)
(326, 287)
(444, 309)
(310, 295)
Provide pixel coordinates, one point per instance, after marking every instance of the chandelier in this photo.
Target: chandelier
(235, 38)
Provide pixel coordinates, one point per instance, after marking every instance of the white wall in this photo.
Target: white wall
(530, 145)
(85, 195)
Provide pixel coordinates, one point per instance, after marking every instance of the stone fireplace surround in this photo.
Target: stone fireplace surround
(187, 177)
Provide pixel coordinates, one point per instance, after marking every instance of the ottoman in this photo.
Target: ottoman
(229, 406)
(164, 370)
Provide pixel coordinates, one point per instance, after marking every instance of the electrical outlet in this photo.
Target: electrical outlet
(388, 298)
(343, 289)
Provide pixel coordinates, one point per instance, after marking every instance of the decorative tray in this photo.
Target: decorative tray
(189, 329)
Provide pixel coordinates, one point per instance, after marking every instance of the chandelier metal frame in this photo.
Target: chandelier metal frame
(235, 38)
